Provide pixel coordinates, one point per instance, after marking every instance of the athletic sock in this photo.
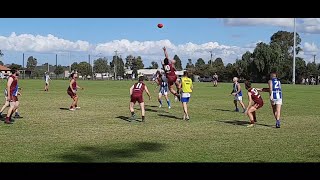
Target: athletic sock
(168, 103)
(132, 113)
(160, 101)
(142, 118)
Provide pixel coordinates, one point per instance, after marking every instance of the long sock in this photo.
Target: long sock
(160, 101)
(16, 113)
(168, 103)
(132, 113)
(142, 118)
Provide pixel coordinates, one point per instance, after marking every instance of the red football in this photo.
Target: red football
(160, 25)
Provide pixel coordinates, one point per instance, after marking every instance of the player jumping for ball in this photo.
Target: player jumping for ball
(255, 102)
(162, 82)
(169, 69)
(136, 94)
(72, 91)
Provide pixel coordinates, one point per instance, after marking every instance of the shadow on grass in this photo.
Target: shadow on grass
(169, 116)
(123, 118)
(109, 154)
(64, 108)
(243, 123)
(150, 110)
(236, 122)
(150, 106)
(128, 119)
(224, 110)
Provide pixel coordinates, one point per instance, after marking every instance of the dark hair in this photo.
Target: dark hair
(247, 84)
(141, 78)
(71, 75)
(166, 61)
(273, 73)
(13, 71)
(185, 73)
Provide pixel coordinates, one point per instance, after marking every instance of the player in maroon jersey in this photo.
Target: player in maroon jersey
(12, 96)
(72, 91)
(136, 94)
(169, 69)
(255, 102)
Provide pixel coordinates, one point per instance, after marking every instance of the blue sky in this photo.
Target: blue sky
(189, 38)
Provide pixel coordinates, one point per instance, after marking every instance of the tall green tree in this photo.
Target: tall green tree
(101, 65)
(286, 41)
(178, 64)
(84, 68)
(59, 70)
(154, 65)
(31, 63)
(117, 66)
(15, 66)
(74, 66)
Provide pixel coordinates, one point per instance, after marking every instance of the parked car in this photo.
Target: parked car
(205, 79)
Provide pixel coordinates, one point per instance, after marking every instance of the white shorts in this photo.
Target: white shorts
(276, 101)
(163, 94)
(237, 98)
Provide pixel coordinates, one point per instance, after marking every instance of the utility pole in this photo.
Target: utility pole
(314, 58)
(211, 57)
(56, 64)
(114, 64)
(294, 53)
(89, 60)
(70, 62)
(24, 71)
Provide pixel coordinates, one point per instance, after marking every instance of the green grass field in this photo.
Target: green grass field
(98, 132)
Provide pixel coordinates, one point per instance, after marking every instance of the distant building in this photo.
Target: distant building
(4, 70)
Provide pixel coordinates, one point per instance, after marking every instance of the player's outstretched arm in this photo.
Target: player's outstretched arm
(165, 52)
(147, 91)
(250, 101)
(131, 89)
(10, 80)
(70, 85)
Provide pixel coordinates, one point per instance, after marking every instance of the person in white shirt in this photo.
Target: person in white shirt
(46, 78)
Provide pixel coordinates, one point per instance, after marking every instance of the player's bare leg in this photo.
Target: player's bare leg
(76, 103)
(159, 99)
(254, 116)
(142, 111)
(10, 110)
(168, 101)
(243, 106)
(236, 105)
(133, 115)
(185, 111)
(251, 116)
(73, 104)
(277, 115)
(6, 104)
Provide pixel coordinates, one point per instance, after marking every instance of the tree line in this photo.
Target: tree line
(276, 56)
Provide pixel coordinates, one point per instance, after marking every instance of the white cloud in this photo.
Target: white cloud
(303, 25)
(148, 50)
(152, 50)
(38, 43)
(310, 47)
(283, 22)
